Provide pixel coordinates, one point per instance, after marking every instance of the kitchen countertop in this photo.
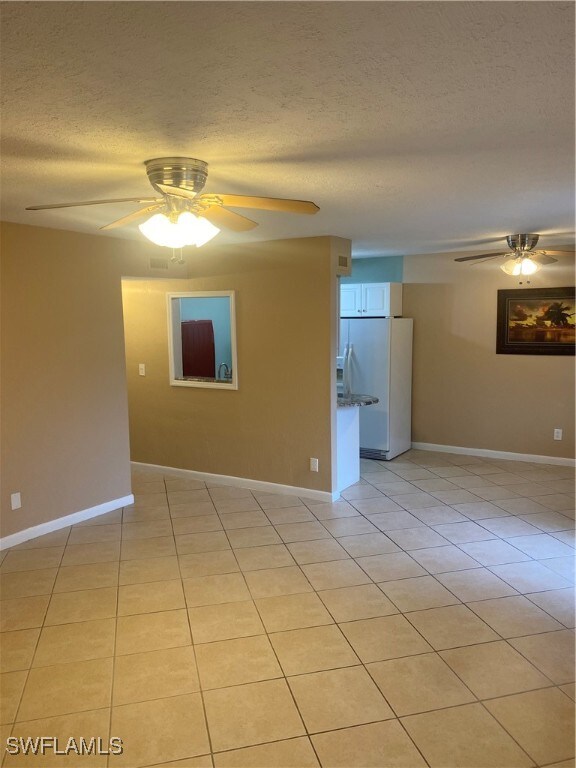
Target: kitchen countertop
(356, 401)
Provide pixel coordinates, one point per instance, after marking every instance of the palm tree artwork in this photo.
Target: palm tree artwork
(558, 315)
(541, 321)
(536, 321)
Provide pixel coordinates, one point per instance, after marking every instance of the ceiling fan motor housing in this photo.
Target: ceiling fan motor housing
(184, 172)
(522, 242)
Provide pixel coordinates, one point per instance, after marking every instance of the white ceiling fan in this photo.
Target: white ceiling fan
(523, 259)
(180, 214)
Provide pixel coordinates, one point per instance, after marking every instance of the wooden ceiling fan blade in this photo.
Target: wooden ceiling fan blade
(486, 259)
(133, 216)
(94, 202)
(187, 194)
(543, 258)
(280, 204)
(224, 219)
(484, 256)
(559, 251)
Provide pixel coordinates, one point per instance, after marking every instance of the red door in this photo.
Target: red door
(198, 353)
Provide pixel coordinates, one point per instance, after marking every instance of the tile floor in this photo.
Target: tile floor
(427, 618)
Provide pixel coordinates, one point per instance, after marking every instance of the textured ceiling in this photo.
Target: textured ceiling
(416, 127)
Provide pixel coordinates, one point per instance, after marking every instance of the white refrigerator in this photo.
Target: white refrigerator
(377, 360)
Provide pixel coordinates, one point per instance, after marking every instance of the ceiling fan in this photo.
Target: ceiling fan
(524, 260)
(181, 215)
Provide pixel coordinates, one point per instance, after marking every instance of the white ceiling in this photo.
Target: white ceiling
(416, 127)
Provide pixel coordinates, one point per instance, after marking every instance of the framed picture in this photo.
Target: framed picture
(536, 321)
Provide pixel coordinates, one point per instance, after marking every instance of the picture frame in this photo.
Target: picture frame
(536, 321)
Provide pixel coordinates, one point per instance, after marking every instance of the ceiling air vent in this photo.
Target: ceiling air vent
(158, 263)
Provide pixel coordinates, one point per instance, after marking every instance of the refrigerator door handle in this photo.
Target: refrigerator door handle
(346, 374)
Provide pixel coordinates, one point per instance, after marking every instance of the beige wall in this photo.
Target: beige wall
(464, 394)
(281, 415)
(64, 415)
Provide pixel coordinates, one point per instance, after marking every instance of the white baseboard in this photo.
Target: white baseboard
(64, 522)
(243, 482)
(488, 454)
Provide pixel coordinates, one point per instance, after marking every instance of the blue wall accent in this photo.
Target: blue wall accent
(381, 269)
(217, 309)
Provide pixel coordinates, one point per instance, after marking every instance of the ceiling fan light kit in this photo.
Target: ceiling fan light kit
(521, 265)
(177, 231)
(182, 215)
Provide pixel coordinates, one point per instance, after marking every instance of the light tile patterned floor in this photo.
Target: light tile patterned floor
(427, 618)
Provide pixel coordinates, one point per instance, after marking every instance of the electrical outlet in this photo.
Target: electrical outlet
(141, 369)
(557, 434)
(15, 501)
(313, 465)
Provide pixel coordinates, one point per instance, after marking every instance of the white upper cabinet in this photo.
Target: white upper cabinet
(371, 300)
(350, 300)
